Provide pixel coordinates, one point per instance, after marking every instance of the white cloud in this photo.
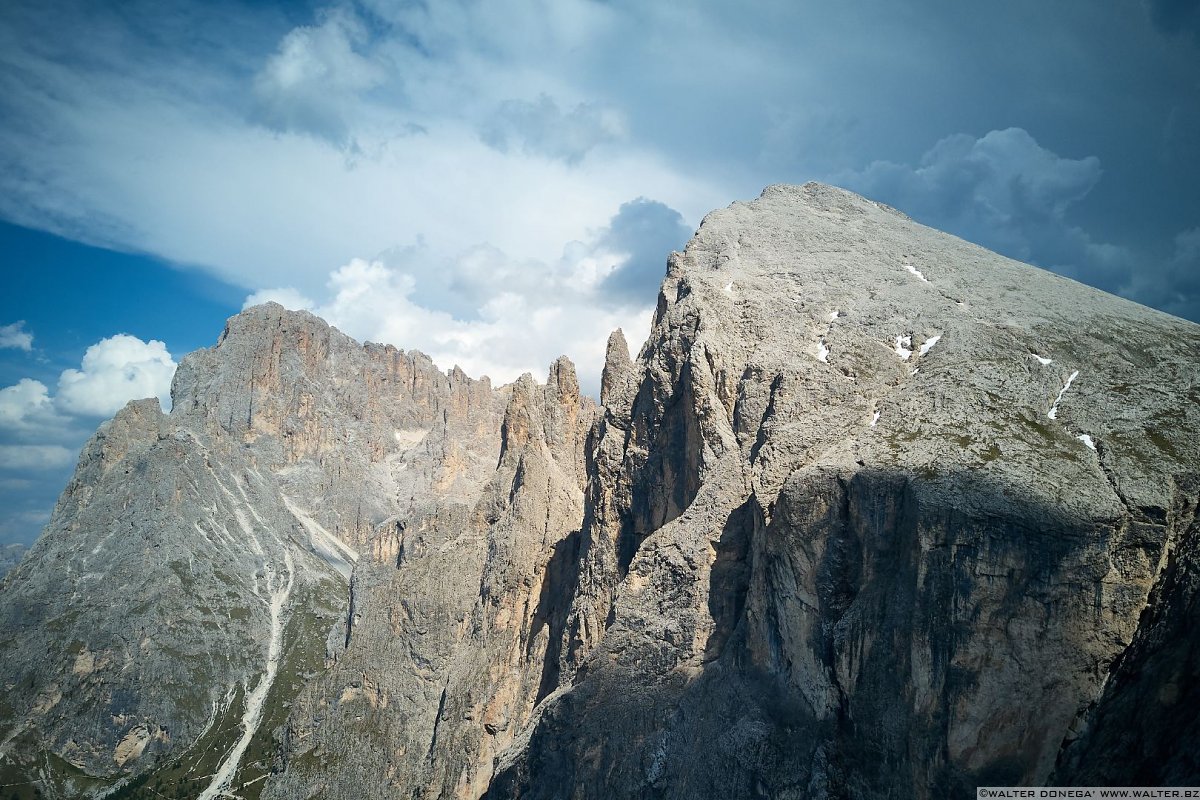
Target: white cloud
(114, 371)
(41, 433)
(514, 333)
(27, 407)
(35, 457)
(500, 316)
(125, 142)
(287, 297)
(16, 337)
(311, 84)
(369, 128)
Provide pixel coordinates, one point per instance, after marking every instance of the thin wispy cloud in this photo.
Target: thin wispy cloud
(276, 156)
(539, 127)
(499, 183)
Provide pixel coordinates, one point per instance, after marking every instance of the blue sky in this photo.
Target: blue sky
(497, 183)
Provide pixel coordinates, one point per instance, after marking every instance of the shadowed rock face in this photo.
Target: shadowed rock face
(874, 513)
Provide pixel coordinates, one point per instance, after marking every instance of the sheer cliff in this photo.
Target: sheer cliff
(873, 513)
(186, 586)
(876, 513)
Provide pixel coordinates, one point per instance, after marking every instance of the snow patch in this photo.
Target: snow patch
(1088, 440)
(929, 343)
(1053, 412)
(1045, 362)
(729, 287)
(904, 347)
(916, 272)
(823, 351)
(409, 437)
(874, 419)
(833, 315)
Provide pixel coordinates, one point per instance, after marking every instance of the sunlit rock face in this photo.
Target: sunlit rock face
(186, 588)
(873, 513)
(877, 513)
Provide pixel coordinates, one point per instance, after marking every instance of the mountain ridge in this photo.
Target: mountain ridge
(874, 511)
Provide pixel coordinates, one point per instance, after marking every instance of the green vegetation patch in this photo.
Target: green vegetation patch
(185, 775)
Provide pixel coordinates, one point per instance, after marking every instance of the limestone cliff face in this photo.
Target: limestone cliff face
(877, 513)
(445, 651)
(873, 513)
(184, 590)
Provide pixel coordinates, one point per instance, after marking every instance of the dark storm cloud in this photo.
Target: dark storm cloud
(1176, 16)
(1008, 193)
(646, 230)
(1175, 285)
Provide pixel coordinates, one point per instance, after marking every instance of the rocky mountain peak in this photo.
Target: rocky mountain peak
(874, 513)
(618, 367)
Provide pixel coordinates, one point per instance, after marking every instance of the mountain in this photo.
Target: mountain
(10, 556)
(874, 513)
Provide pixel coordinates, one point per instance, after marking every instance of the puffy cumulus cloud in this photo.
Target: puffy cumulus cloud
(35, 456)
(510, 334)
(114, 371)
(1008, 193)
(313, 81)
(41, 433)
(1176, 17)
(15, 336)
(286, 296)
(539, 127)
(643, 232)
(27, 407)
(496, 315)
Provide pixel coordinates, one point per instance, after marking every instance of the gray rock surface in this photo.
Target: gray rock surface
(874, 513)
(184, 589)
(445, 653)
(847, 534)
(10, 556)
